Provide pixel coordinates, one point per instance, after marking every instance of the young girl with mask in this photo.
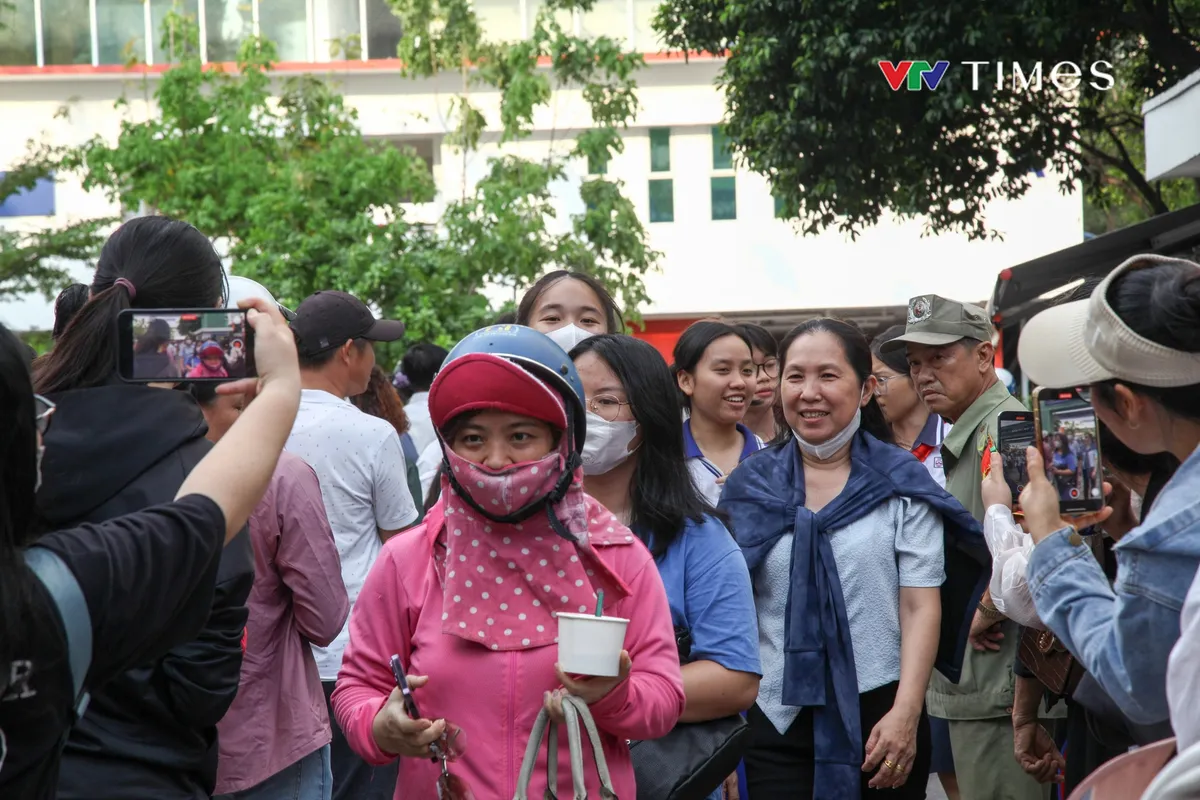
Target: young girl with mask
(848, 540)
(569, 307)
(714, 371)
(468, 599)
(633, 460)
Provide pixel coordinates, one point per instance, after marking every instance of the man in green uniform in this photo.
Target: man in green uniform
(952, 363)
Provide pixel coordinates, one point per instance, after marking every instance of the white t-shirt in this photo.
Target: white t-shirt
(420, 426)
(428, 465)
(360, 463)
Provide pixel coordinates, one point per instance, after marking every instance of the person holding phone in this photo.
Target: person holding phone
(951, 359)
(468, 598)
(146, 577)
(1134, 345)
(148, 732)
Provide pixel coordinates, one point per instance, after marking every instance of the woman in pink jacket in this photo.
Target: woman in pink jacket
(468, 599)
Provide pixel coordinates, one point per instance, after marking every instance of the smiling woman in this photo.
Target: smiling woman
(845, 537)
(714, 370)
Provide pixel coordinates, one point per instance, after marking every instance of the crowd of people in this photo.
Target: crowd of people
(245, 589)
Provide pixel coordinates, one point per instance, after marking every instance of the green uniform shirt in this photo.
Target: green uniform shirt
(986, 688)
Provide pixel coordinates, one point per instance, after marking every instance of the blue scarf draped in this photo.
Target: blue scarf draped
(764, 498)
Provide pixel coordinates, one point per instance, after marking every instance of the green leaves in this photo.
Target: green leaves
(809, 107)
(277, 171)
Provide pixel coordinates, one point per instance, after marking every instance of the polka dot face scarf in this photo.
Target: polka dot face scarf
(503, 583)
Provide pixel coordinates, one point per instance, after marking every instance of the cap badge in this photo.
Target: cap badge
(918, 310)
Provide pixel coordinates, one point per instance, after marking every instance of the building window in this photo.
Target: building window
(660, 149)
(285, 22)
(662, 189)
(66, 32)
(723, 184)
(722, 152)
(227, 24)
(159, 9)
(35, 202)
(724, 197)
(564, 18)
(645, 38)
(18, 36)
(383, 30)
(662, 200)
(607, 18)
(121, 30)
(597, 166)
(339, 28)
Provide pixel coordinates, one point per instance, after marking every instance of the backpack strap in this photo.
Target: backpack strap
(72, 608)
(409, 448)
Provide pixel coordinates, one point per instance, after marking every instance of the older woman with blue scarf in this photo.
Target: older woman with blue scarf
(849, 542)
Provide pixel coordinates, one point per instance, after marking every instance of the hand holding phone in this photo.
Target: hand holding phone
(995, 488)
(398, 727)
(1040, 502)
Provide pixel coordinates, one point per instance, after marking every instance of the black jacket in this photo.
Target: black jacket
(151, 732)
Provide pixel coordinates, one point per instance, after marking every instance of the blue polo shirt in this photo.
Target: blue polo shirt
(704, 472)
(709, 592)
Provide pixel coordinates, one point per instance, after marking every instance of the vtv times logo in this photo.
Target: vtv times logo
(916, 75)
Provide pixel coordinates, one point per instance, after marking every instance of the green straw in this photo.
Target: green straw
(600, 603)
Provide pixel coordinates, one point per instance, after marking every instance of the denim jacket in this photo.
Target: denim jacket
(1123, 635)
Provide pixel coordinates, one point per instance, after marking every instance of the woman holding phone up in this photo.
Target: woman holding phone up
(1134, 348)
(148, 731)
(146, 578)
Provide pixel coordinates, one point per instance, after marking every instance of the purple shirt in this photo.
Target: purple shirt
(279, 714)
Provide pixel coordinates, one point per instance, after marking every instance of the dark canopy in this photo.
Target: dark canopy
(1018, 289)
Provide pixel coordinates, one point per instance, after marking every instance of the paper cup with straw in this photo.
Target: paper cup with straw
(591, 644)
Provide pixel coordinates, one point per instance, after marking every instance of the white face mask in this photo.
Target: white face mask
(41, 451)
(607, 444)
(569, 336)
(828, 449)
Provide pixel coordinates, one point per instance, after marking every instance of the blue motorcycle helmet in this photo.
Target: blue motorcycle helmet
(483, 371)
(537, 353)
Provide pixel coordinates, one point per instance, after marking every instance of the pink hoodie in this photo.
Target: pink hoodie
(495, 696)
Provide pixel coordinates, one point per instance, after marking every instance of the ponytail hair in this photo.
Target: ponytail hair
(858, 356)
(149, 262)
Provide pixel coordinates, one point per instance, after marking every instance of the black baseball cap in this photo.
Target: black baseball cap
(329, 319)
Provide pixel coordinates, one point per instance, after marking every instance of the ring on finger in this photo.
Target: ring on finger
(892, 766)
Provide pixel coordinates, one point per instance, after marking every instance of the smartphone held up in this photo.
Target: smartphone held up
(207, 345)
(1063, 427)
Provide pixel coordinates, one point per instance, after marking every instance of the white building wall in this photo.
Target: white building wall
(755, 262)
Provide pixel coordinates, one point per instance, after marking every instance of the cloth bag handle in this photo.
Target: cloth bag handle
(574, 710)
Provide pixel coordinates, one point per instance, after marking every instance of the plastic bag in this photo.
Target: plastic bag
(1010, 547)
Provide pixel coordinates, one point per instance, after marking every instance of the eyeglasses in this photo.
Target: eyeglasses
(43, 410)
(770, 368)
(881, 383)
(606, 407)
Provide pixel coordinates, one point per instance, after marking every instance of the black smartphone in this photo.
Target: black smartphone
(1067, 436)
(1016, 432)
(196, 345)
